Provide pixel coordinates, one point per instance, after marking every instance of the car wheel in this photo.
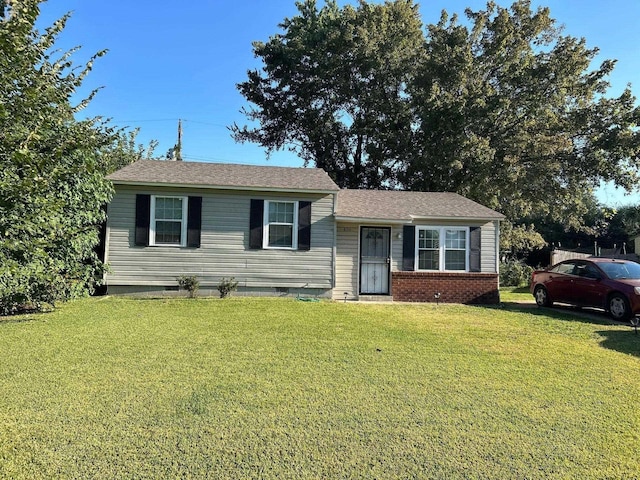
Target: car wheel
(619, 307)
(542, 297)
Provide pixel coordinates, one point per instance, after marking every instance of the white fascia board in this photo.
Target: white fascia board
(220, 187)
(382, 221)
(463, 219)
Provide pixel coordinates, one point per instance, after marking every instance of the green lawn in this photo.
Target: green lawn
(516, 294)
(274, 388)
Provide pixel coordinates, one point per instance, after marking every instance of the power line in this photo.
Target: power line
(205, 123)
(169, 120)
(206, 159)
(149, 120)
(244, 161)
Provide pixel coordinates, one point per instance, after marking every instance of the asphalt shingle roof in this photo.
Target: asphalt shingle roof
(403, 205)
(383, 205)
(224, 175)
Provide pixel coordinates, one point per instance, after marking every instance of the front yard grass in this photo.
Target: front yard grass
(516, 294)
(274, 388)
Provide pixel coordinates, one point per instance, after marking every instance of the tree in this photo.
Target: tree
(518, 240)
(52, 167)
(623, 224)
(503, 108)
(510, 115)
(333, 89)
(124, 149)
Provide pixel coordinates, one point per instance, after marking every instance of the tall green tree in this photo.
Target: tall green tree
(333, 89)
(52, 171)
(509, 113)
(622, 226)
(500, 107)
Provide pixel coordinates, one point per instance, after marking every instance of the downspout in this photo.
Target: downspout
(335, 241)
(497, 249)
(107, 235)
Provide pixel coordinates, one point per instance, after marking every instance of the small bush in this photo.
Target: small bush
(226, 286)
(29, 287)
(190, 284)
(514, 273)
(37, 284)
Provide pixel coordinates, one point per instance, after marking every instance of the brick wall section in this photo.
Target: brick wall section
(479, 288)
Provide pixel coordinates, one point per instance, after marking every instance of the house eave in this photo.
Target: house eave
(385, 221)
(221, 187)
(417, 218)
(413, 219)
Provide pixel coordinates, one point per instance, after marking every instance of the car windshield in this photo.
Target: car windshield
(621, 270)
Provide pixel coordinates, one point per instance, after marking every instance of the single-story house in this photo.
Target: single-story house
(292, 231)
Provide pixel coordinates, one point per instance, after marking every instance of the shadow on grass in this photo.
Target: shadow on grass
(23, 318)
(623, 341)
(28, 314)
(561, 312)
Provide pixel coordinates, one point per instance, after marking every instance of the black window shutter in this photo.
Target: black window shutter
(194, 221)
(474, 249)
(143, 216)
(408, 248)
(256, 218)
(304, 225)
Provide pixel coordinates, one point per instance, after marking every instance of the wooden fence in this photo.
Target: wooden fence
(559, 255)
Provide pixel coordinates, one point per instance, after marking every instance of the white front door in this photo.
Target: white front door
(374, 260)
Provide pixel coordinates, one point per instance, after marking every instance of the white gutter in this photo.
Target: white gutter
(382, 221)
(412, 220)
(464, 219)
(221, 187)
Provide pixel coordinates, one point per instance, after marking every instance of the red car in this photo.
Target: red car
(613, 285)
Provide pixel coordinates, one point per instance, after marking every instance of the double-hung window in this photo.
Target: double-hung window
(428, 249)
(442, 248)
(168, 222)
(455, 249)
(280, 224)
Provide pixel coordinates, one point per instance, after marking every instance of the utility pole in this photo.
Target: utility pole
(178, 151)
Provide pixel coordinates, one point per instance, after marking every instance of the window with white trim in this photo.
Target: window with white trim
(168, 222)
(442, 248)
(428, 249)
(280, 224)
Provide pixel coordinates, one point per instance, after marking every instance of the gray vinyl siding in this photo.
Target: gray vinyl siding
(347, 261)
(224, 250)
(396, 248)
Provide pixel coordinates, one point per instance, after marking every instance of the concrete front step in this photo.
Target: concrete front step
(375, 298)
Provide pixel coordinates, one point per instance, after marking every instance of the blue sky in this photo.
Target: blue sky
(170, 60)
